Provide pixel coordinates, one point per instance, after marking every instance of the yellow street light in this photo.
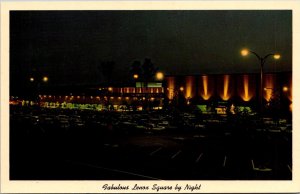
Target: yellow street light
(285, 89)
(31, 79)
(262, 61)
(244, 52)
(181, 88)
(135, 76)
(277, 56)
(159, 76)
(110, 89)
(45, 79)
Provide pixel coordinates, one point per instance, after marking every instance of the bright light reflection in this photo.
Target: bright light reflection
(205, 95)
(170, 86)
(269, 85)
(246, 96)
(189, 87)
(225, 95)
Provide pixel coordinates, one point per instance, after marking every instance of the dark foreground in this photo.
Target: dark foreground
(70, 145)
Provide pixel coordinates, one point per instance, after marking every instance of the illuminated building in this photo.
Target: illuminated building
(195, 89)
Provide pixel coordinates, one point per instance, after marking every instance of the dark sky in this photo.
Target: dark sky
(68, 45)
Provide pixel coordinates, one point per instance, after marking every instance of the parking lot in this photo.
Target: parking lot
(71, 145)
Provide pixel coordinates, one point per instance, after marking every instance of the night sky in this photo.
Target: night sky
(69, 45)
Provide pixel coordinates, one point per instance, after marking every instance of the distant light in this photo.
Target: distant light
(152, 99)
(110, 89)
(277, 56)
(135, 76)
(285, 89)
(111, 97)
(119, 98)
(78, 96)
(31, 79)
(181, 88)
(127, 98)
(45, 79)
(159, 75)
(244, 52)
(92, 97)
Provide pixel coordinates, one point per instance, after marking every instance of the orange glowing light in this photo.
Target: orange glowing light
(291, 107)
(170, 87)
(31, 79)
(205, 95)
(269, 83)
(110, 89)
(181, 88)
(225, 95)
(246, 96)
(189, 85)
(285, 89)
(135, 76)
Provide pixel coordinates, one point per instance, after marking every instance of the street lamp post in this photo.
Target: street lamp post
(262, 61)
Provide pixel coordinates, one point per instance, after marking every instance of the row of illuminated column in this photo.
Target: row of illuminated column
(227, 86)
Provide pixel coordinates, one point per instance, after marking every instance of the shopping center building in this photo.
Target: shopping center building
(205, 89)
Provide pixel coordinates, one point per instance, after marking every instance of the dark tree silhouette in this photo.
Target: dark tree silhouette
(149, 71)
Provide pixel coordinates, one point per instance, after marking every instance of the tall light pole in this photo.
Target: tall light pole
(262, 61)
